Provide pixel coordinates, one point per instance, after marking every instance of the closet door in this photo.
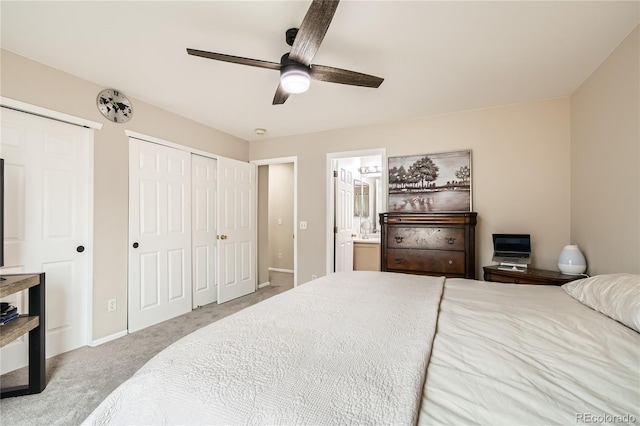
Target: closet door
(204, 214)
(237, 229)
(159, 233)
(47, 209)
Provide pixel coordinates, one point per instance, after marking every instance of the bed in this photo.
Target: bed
(386, 348)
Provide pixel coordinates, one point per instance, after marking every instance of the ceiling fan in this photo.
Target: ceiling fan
(296, 70)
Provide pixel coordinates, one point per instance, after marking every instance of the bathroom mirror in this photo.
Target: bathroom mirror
(361, 198)
(366, 204)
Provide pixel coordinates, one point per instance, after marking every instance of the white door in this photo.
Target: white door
(204, 229)
(343, 178)
(159, 233)
(47, 210)
(237, 229)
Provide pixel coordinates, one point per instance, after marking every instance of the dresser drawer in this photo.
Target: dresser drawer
(434, 261)
(430, 238)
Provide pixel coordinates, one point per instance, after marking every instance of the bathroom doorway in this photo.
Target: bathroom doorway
(356, 194)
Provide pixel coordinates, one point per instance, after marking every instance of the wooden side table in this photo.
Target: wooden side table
(32, 323)
(531, 276)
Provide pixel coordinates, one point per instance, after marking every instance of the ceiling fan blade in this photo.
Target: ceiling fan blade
(312, 30)
(235, 59)
(337, 75)
(281, 96)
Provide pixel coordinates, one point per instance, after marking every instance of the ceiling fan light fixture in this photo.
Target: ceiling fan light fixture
(295, 78)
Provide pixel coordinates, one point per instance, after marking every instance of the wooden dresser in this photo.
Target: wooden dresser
(429, 243)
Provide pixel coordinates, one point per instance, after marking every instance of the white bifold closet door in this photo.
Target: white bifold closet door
(159, 233)
(47, 214)
(192, 231)
(237, 228)
(204, 214)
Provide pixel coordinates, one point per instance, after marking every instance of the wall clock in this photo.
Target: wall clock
(114, 105)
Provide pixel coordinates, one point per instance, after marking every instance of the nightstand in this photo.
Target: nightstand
(530, 276)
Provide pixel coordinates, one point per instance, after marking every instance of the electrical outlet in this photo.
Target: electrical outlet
(303, 224)
(313, 277)
(279, 255)
(111, 305)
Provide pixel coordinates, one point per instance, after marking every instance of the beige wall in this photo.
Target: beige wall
(37, 84)
(605, 162)
(281, 216)
(520, 170)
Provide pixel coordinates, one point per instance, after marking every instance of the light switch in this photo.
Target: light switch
(303, 224)
(279, 221)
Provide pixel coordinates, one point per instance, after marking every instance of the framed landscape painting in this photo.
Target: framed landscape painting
(430, 183)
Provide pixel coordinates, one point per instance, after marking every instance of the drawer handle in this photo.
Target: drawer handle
(451, 240)
(398, 261)
(451, 262)
(399, 239)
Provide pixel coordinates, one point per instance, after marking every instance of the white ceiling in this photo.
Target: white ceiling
(435, 57)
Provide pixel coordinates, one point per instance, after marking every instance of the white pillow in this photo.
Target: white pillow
(615, 295)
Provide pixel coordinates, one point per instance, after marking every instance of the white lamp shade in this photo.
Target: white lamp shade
(572, 261)
(295, 80)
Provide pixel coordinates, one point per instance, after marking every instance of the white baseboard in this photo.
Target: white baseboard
(264, 284)
(288, 271)
(108, 338)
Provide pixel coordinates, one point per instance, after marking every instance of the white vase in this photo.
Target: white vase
(572, 261)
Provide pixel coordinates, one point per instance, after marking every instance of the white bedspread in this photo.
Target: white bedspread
(508, 354)
(349, 348)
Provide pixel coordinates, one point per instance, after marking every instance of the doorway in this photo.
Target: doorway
(277, 218)
(368, 171)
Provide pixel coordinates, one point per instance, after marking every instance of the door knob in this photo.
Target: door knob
(80, 249)
(135, 245)
(223, 237)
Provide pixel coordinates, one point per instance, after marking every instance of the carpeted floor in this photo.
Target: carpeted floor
(77, 381)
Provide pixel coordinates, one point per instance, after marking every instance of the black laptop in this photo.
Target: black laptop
(512, 249)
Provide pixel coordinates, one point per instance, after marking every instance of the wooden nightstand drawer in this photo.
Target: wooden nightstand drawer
(429, 238)
(435, 261)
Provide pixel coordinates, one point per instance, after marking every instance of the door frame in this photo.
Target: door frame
(147, 138)
(92, 125)
(330, 191)
(287, 160)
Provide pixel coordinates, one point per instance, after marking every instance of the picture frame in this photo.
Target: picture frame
(426, 183)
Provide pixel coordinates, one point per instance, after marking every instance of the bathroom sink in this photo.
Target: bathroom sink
(371, 239)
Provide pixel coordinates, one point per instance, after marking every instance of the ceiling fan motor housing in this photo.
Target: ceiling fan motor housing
(290, 35)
